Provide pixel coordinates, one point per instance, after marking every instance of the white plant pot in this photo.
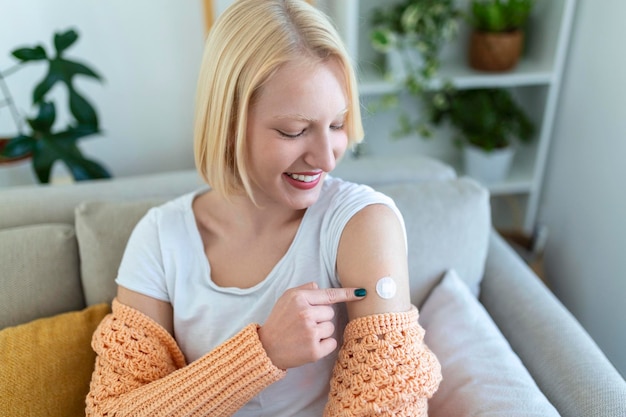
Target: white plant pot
(21, 173)
(400, 60)
(17, 173)
(487, 167)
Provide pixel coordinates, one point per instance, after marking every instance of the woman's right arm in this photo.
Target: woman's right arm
(141, 371)
(159, 311)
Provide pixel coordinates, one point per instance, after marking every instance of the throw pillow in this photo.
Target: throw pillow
(47, 364)
(102, 229)
(482, 376)
(40, 275)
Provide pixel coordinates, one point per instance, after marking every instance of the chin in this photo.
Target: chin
(305, 202)
(304, 199)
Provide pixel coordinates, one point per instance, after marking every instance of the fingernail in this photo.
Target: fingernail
(360, 292)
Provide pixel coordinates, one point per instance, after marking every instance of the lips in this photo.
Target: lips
(303, 180)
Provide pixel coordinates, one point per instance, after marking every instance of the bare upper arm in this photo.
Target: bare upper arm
(157, 310)
(372, 246)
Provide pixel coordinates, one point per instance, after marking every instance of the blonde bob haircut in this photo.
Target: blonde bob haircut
(244, 48)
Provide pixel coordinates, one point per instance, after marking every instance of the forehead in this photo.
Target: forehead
(304, 84)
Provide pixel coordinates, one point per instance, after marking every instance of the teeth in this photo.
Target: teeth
(304, 178)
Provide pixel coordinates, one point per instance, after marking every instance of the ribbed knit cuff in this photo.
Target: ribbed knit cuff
(220, 382)
(141, 371)
(379, 324)
(240, 369)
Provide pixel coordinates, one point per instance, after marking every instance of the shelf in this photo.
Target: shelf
(402, 169)
(527, 73)
(535, 83)
(519, 181)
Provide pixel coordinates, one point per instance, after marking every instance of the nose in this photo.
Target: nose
(324, 151)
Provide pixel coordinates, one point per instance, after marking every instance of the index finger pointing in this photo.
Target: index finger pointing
(328, 296)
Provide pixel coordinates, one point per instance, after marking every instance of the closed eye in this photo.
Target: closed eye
(291, 135)
(336, 127)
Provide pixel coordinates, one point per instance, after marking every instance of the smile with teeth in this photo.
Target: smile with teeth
(304, 178)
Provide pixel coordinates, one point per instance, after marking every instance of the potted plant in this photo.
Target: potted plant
(497, 39)
(41, 140)
(489, 121)
(8, 101)
(412, 34)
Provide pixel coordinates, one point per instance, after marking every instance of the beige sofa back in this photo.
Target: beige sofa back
(40, 240)
(60, 246)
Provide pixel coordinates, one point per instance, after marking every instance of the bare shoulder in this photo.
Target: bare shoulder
(372, 247)
(158, 310)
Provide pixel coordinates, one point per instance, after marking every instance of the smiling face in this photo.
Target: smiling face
(296, 133)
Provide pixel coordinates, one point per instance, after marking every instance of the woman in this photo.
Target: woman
(234, 299)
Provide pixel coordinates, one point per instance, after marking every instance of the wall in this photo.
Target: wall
(149, 53)
(584, 201)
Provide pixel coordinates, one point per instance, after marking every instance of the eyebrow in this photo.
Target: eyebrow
(301, 117)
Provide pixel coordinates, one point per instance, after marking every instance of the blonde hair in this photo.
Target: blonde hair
(244, 48)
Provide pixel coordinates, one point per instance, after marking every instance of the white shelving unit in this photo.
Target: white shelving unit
(535, 82)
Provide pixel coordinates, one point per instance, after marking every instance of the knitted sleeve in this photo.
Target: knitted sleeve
(141, 371)
(383, 368)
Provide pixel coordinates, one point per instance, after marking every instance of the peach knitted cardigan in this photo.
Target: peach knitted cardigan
(383, 368)
(140, 371)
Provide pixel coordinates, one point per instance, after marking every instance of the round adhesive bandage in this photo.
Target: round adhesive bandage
(386, 287)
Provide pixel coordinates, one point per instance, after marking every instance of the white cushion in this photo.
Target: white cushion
(482, 376)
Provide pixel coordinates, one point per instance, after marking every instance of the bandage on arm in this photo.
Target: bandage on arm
(140, 371)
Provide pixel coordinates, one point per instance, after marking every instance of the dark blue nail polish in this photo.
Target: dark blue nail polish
(360, 292)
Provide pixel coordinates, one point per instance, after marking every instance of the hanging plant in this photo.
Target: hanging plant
(416, 31)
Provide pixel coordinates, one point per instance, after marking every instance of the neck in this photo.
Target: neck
(242, 214)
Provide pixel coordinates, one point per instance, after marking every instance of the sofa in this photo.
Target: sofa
(507, 346)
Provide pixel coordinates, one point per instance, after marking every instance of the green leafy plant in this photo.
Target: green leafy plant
(425, 26)
(500, 15)
(488, 118)
(41, 141)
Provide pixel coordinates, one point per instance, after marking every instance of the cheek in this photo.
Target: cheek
(340, 145)
(268, 155)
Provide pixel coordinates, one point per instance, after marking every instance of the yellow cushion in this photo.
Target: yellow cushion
(46, 364)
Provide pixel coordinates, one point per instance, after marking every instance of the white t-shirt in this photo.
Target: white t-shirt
(165, 259)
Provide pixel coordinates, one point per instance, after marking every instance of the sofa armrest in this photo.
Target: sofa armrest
(565, 362)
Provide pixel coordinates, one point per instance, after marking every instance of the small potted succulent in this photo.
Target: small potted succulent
(497, 39)
(40, 140)
(489, 122)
